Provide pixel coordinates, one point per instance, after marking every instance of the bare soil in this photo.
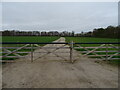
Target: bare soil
(54, 70)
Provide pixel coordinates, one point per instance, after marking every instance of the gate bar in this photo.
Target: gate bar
(58, 43)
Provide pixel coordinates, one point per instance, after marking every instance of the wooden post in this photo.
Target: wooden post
(31, 52)
(106, 51)
(71, 52)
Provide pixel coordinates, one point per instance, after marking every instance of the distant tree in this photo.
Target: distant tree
(73, 33)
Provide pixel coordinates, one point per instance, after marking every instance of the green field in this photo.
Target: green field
(97, 40)
(28, 39)
(90, 40)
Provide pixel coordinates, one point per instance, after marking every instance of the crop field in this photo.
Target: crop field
(99, 51)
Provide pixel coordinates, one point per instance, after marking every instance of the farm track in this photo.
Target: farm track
(54, 72)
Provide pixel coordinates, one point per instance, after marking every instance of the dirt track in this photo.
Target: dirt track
(54, 72)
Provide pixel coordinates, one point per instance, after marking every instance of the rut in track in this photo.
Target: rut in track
(54, 72)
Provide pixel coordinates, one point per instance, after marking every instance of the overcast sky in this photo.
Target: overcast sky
(61, 16)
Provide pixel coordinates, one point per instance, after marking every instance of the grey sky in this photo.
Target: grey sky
(59, 16)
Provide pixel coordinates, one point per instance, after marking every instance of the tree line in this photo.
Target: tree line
(109, 32)
(36, 33)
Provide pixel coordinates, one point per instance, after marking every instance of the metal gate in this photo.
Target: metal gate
(22, 49)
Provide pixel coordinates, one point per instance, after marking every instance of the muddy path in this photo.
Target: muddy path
(52, 71)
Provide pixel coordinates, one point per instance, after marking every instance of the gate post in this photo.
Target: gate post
(106, 51)
(31, 52)
(71, 52)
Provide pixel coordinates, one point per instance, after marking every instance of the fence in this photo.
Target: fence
(104, 51)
